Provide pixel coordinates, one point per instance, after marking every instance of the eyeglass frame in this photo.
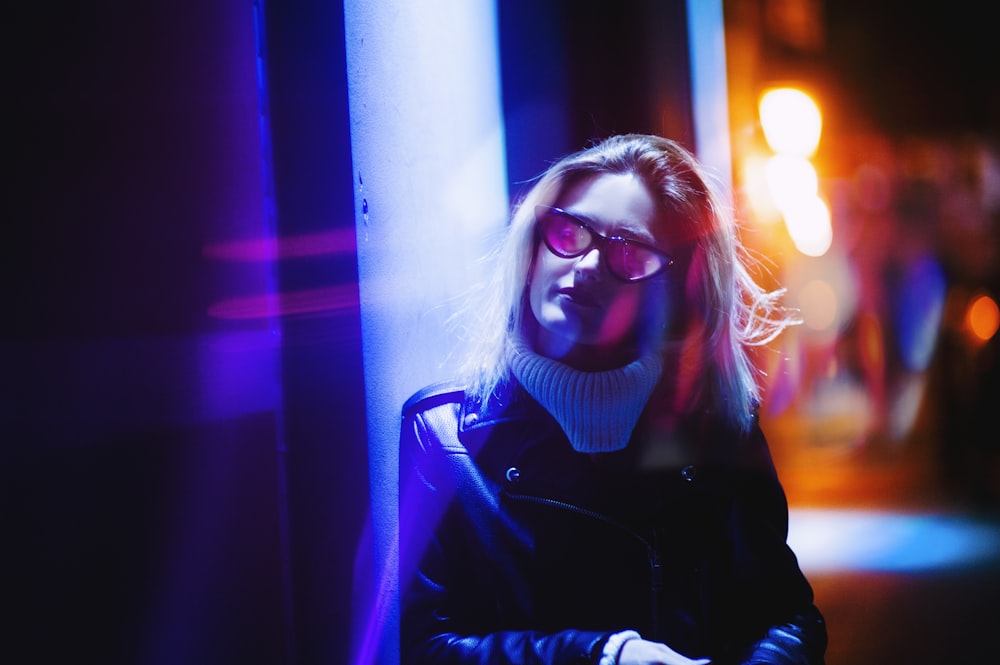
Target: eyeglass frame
(602, 242)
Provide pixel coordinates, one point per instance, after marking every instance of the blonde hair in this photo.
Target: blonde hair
(724, 310)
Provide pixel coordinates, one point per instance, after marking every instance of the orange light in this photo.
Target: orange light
(871, 347)
(983, 317)
(808, 223)
(791, 121)
(790, 179)
(819, 305)
(792, 124)
(757, 190)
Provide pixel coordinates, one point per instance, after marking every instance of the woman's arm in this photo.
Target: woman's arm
(800, 641)
(768, 571)
(444, 620)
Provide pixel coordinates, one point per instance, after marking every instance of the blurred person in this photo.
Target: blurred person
(597, 489)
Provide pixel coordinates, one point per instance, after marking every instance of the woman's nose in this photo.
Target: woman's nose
(589, 264)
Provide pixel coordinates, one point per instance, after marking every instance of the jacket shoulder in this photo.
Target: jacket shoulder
(437, 408)
(433, 395)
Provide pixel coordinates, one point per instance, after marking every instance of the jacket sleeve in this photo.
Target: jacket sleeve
(441, 622)
(799, 641)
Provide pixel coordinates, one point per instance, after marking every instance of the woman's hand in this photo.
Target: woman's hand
(644, 652)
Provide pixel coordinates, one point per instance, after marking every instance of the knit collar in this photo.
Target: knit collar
(596, 410)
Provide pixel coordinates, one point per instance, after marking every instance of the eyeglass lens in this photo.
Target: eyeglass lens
(568, 237)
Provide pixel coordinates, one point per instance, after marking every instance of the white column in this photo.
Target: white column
(430, 189)
(709, 94)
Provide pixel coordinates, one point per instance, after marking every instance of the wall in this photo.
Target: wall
(138, 423)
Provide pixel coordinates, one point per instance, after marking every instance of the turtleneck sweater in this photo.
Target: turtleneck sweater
(596, 410)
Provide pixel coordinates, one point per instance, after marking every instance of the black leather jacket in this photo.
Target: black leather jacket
(517, 549)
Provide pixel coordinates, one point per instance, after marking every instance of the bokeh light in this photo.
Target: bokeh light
(790, 180)
(757, 190)
(983, 318)
(819, 305)
(808, 222)
(825, 291)
(792, 124)
(837, 540)
(791, 121)
(918, 305)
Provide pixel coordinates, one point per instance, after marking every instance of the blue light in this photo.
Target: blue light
(919, 304)
(855, 540)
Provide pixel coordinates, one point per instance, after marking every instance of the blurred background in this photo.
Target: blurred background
(184, 475)
(881, 219)
(866, 167)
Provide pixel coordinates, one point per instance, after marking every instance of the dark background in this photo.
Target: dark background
(917, 68)
(177, 486)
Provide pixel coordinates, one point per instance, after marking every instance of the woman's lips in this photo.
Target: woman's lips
(579, 297)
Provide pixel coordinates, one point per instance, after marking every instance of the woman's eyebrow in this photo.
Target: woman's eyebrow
(626, 229)
(635, 233)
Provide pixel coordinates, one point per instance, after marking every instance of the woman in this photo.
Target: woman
(598, 489)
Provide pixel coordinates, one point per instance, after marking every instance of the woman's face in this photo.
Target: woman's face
(577, 302)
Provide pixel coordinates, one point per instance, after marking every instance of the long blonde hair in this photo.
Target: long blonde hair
(724, 310)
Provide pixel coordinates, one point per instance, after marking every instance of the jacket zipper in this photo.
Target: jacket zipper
(652, 551)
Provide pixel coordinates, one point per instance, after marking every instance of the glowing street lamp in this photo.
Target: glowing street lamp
(791, 121)
(792, 125)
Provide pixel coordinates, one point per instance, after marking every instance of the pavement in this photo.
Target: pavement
(903, 556)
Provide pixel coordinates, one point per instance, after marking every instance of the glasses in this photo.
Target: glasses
(568, 237)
